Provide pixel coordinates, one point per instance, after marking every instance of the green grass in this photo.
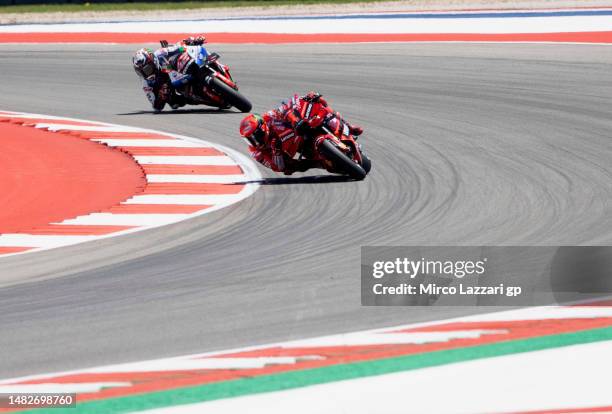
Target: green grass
(175, 5)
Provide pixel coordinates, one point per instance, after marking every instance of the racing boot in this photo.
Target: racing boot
(176, 101)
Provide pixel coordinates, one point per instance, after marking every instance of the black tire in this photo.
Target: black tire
(231, 95)
(341, 161)
(366, 163)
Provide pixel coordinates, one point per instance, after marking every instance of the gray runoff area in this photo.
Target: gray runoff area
(471, 144)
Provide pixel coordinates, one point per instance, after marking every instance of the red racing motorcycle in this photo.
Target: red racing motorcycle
(328, 141)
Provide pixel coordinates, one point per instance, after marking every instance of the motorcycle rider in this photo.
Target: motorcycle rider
(156, 68)
(266, 133)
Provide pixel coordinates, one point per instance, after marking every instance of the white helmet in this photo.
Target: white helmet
(145, 63)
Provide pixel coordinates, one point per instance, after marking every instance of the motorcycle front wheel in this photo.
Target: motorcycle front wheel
(366, 163)
(343, 163)
(231, 95)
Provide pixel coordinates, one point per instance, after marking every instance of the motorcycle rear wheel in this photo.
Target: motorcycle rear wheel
(343, 163)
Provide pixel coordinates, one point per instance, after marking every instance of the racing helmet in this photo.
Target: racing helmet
(144, 62)
(313, 96)
(254, 129)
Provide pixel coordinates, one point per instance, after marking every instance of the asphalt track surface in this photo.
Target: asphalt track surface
(471, 144)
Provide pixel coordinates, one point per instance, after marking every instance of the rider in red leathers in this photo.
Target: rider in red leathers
(267, 132)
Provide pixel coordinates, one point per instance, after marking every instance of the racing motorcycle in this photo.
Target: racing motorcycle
(203, 79)
(328, 141)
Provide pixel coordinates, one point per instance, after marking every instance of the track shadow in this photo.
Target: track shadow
(183, 111)
(310, 179)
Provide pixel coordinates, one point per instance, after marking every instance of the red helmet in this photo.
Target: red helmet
(255, 130)
(313, 96)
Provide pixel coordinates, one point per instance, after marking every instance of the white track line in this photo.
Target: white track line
(175, 143)
(80, 388)
(208, 199)
(45, 241)
(68, 127)
(185, 159)
(195, 178)
(552, 312)
(112, 219)
(209, 363)
(364, 339)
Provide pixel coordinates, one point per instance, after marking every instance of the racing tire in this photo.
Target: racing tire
(231, 95)
(366, 163)
(341, 161)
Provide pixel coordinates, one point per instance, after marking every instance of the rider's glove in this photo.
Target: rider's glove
(355, 130)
